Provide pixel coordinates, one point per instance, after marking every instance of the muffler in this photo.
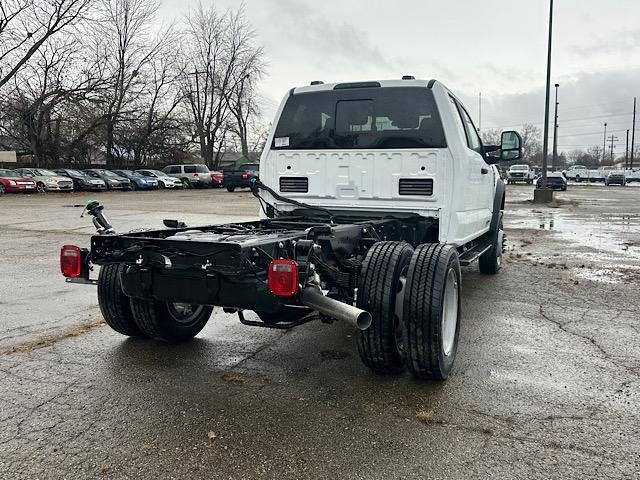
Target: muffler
(314, 299)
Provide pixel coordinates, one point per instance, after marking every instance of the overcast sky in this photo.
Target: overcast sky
(497, 47)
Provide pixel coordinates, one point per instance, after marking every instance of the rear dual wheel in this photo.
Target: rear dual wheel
(167, 321)
(414, 299)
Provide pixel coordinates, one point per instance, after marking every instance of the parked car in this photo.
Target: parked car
(520, 173)
(12, 182)
(555, 181)
(112, 180)
(46, 180)
(241, 177)
(615, 177)
(138, 180)
(164, 180)
(190, 175)
(82, 181)
(217, 179)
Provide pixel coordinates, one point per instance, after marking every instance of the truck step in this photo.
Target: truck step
(471, 255)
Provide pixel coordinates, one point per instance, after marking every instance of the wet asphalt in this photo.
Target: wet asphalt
(546, 383)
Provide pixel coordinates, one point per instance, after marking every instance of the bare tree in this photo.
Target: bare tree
(56, 76)
(128, 45)
(220, 55)
(26, 25)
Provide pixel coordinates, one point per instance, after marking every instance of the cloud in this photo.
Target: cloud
(623, 42)
(323, 40)
(586, 101)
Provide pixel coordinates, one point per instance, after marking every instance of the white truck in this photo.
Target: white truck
(580, 173)
(372, 196)
(520, 174)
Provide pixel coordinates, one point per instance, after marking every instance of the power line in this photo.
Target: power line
(563, 121)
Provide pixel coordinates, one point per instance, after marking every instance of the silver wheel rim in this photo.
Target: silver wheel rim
(40, 188)
(449, 312)
(184, 312)
(1, 189)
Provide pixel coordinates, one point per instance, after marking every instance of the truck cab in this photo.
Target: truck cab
(401, 147)
(520, 174)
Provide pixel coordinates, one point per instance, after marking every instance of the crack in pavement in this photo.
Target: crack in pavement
(50, 340)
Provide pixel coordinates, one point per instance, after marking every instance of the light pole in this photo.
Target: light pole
(544, 195)
(554, 159)
(604, 142)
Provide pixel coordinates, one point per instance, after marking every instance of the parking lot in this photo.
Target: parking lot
(546, 383)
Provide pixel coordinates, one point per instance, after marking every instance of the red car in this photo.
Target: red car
(216, 179)
(11, 182)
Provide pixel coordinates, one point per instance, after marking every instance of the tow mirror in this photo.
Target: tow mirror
(510, 146)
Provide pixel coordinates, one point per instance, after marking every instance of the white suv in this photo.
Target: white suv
(191, 176)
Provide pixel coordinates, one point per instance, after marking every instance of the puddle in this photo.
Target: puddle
(610, 233)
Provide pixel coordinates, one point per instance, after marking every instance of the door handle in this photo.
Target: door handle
(484, 171)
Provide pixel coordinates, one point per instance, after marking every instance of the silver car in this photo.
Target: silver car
(46, 180)
(164, 180)
(190, 175)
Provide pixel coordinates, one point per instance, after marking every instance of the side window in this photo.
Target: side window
(172, 169)
(472, 134)
(458, 119)
(189, 169)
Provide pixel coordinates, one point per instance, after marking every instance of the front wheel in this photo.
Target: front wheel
(431, 311)
(2, 189)
(185, 183)
(491, 261)
(171, 322)
(40, 187)
(230, 188)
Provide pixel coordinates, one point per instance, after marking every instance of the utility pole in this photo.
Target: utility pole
(612, 138)
(626, 152)
(604, 142)
(543, 195)
(554, 159)
(633, 132)
(479, 111)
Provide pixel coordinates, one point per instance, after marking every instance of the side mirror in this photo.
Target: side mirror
(510, 146)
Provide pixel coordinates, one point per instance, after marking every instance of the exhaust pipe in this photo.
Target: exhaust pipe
(314, 299)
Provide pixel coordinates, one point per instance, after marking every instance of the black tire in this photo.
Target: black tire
(230, 188)
(286, 315)
(185, 183)
(114, 304)
(161, 185)
(2, 189)
(425, 338)
(380, 346)
(134, 186)
(40, 188)
(158, 320)
(491, 261)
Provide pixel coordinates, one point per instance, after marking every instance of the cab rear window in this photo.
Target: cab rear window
(372, 118)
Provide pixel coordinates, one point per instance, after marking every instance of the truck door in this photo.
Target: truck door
(480, 177)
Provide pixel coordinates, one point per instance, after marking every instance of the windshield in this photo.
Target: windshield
(107, 173)
(77, 173)
(196, 169)
(45, 173)
(8, 174)
(254, 167)
(390, 117)
(519, 167)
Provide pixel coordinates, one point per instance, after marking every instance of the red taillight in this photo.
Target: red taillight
(70, 261)
(283, 277)
(195, 174)
(245, 175)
